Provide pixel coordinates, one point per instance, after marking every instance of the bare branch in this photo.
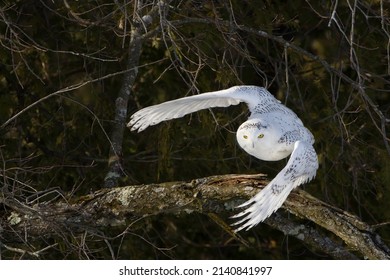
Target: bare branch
(115, 169)
(70, 89)
(216, 194)
(342, 76)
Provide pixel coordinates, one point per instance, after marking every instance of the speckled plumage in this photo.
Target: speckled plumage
(272, 132)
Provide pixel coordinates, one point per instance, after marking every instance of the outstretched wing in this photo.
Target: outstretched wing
(300, 168)
(256, 98)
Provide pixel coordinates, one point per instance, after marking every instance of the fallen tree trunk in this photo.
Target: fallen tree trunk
(211, 195)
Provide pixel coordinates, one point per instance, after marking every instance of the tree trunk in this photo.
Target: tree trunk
(115, 168)
(211, 195)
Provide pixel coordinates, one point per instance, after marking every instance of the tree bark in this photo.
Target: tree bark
(211, 195)
(115, 168)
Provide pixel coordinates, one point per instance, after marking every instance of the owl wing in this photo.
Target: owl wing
(300, 168)
(257, 98)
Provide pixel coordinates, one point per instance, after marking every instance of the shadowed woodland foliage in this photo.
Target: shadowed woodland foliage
(72, 72)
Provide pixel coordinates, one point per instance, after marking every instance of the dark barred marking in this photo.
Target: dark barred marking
(277, 189)
(290, 137)
(257, 125)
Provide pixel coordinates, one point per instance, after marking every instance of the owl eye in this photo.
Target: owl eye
(245, 136)
(261, 135)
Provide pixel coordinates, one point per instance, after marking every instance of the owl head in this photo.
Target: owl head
(259, 139)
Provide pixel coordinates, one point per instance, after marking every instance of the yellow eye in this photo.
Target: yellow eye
(245, 136)
(261, 135)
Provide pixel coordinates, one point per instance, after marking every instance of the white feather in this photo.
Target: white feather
(272, 132)
(300, 168)
(180, 107)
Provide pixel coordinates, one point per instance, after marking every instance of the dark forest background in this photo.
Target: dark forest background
(72, 72)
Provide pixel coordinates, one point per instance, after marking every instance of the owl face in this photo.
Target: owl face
(250, 135)
(259, 139)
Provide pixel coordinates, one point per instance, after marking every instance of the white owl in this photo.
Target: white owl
(272, 132)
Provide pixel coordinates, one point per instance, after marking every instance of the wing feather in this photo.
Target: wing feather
(254, 96)
(300, 168)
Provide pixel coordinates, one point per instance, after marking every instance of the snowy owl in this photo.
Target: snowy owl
(272, 132)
